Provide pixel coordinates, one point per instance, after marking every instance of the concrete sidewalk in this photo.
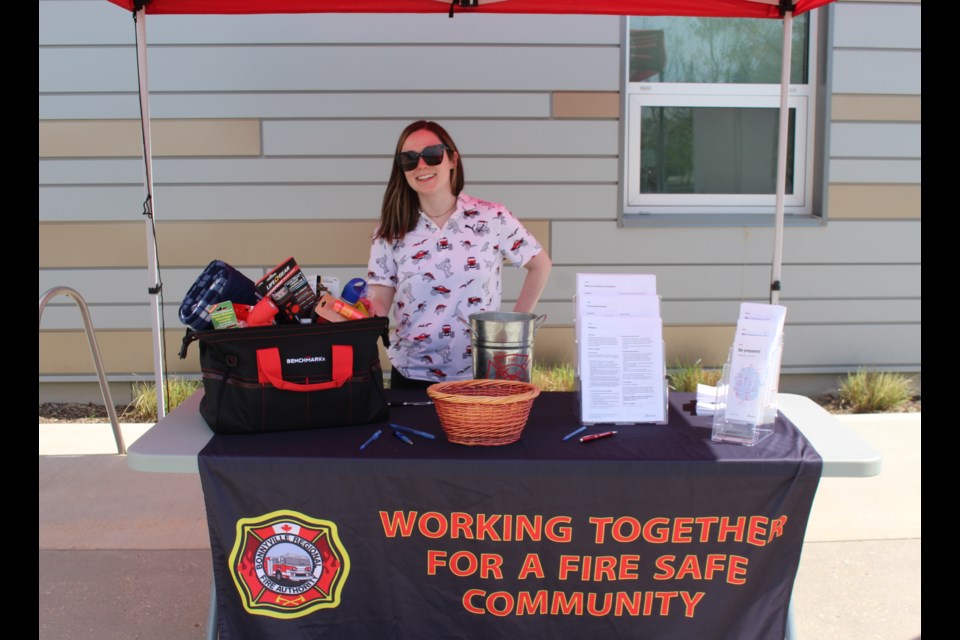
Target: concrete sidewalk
(126, 555)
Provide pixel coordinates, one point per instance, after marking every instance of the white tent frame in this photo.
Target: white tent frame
(153, 272)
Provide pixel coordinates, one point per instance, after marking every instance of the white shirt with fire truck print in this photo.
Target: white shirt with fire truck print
(440, 277)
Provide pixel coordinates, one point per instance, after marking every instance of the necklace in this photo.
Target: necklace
(445, 213)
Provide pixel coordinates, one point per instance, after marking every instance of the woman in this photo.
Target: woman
(436, 259)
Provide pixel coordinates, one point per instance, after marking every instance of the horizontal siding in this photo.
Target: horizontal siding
(692, 295)
(108, 24)
(874, 140)
(318, 104)
(852, 346)
(278, 141)
(870, 171)
(840, 242)
(750, 282)
(477, 138)
(264, 244)
(805, 346)
(169, 137)
(568, 104)
(122, 352)
(575, 169)
(842, 347)
(876, 72)
(70, 246)
(331, 68)
(847, 201)
(305, 202)
(875, 108)
(873, 26)
(678, 313)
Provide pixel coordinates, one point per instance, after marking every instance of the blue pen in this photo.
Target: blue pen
(422, 434)
(573, 433)
(403, 437)
(371, 439)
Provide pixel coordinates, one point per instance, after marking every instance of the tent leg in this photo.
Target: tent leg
(153, 273)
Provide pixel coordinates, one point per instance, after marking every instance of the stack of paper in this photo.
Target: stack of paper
(619, 336)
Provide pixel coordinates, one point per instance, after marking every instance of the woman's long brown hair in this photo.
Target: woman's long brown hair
(401, 204)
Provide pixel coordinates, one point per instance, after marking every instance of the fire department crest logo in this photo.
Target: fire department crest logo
(286, 565)
(509, 366)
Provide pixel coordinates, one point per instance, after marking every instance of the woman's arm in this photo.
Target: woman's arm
(382, 299)
(538, 270)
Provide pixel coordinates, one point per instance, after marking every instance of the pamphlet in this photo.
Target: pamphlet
(619, 336)
(622, 371)
(753, 362)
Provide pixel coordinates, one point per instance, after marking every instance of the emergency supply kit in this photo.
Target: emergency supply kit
(319, 366)
(291, 377)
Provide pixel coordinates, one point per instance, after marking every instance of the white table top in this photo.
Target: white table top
(172, 445)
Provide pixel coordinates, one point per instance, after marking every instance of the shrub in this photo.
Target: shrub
(143, 408)
(686, 377)
(875, 391)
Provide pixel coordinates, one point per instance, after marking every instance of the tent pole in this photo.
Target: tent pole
(153, 274)
(781, 158)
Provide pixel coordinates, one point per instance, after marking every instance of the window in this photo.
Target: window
(702, 110)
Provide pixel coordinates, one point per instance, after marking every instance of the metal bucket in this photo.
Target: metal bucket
(503, 344)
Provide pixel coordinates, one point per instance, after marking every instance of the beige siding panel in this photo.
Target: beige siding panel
(187, 244)
(576, 104)
(554, 345)
(267, 243)
(90, 138)
(875, 108)
(206, 137)
(852, 201)
(123, 353)
(541, 231)
(710, 344)
(107, 138)
(92, 244)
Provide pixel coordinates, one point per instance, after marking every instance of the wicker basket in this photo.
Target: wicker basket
(483, 412)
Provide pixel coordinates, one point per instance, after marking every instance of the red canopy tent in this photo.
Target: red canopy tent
(700, 8)
(769, 9)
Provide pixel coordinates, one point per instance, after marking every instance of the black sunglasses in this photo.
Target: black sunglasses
(432, 155)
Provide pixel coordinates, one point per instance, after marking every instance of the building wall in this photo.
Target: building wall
(273, 137)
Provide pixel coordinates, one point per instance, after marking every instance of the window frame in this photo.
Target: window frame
(637, 208)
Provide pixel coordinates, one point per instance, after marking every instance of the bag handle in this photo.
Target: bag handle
(269, 372)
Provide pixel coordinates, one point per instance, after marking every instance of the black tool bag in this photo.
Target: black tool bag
(291, 377)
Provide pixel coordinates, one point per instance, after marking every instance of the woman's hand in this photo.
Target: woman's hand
(538, 270)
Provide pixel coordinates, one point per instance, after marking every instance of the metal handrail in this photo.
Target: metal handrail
(95, 352)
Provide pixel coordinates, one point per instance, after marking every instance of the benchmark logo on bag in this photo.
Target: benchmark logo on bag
(306, 359)
(286, 564)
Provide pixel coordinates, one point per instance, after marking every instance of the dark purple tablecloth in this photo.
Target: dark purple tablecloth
(656, 532)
